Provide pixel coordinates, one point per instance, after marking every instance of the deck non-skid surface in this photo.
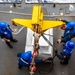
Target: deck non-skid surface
(9, 59)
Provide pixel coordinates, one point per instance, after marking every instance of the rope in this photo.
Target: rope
(36, 47)
(48, 34)
(48, 42)
(18, 31)
(50, 68)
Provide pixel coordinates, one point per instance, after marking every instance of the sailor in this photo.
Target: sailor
(25, 59)
(6, 33)
(66, 53)
(69, 32)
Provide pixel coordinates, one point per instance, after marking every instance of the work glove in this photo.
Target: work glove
(19, 54)
(59, 41)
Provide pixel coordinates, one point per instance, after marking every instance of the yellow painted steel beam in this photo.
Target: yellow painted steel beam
(23, 22)
(36, 14)
(37, 19)
(51, 24)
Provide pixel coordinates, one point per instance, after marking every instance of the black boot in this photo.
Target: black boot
(14, 40)
(19, 66)
(63, 62)
(8, 43)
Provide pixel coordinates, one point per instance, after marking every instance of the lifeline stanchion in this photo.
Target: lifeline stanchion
(26, 14)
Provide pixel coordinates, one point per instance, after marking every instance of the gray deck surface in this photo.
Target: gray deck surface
(8, 57)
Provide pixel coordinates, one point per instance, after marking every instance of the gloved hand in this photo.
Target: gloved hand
(62, 36)
(19, 54)
(56, 52)
(59, 41)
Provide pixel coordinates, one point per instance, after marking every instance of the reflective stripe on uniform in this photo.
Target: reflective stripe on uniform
(24, 61)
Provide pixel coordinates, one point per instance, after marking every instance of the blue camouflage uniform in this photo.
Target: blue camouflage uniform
(65, 21)
(66, 52)
(69, 32)
(24, 59)
(6, 33)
